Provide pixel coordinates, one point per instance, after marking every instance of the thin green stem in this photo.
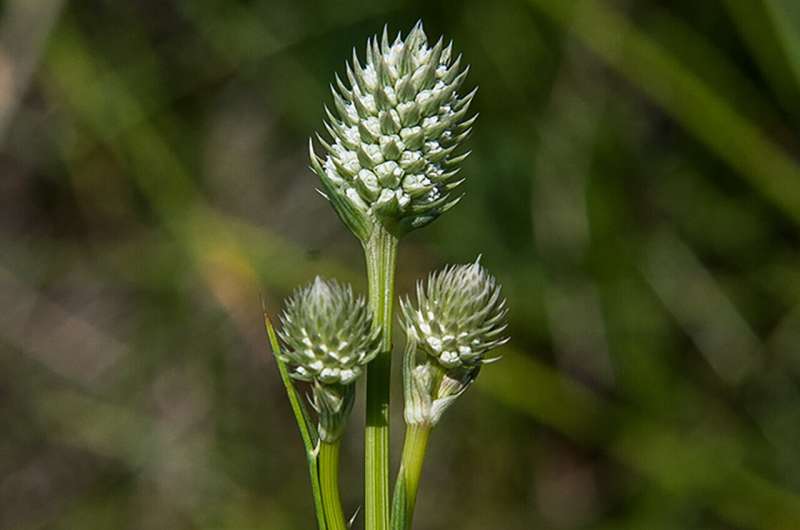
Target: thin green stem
(329, 480)
(405, 492)
(380, 251)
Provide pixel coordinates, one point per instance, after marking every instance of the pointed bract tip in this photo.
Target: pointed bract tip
(354, 517)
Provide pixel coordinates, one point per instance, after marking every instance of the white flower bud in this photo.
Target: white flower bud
(460, 316)
(328, 337)
(328, 334)
(403, 106)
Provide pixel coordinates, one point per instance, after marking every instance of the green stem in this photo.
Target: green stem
(329, 480)
(405, 493)
(380, 251)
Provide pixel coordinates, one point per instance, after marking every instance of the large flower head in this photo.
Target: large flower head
(391, 157)
(459, 317)
(327, 332)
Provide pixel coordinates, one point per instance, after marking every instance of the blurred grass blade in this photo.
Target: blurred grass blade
(716, 326)
(307, 430)
(24, 29)
(785, 16)
(689, 100)
(754, 22)
(691, 465)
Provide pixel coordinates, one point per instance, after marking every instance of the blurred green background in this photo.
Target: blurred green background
(634, 184)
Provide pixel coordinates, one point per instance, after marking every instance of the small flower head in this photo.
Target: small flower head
(398, 121)
(460, 316)
(327, 332)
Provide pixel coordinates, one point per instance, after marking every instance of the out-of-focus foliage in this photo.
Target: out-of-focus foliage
(634, 184)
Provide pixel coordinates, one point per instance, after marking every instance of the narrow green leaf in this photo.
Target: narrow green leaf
(785, 16)
(307, 430)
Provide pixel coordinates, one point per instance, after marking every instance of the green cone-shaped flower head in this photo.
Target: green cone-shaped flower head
(391, 158)
(328, 333)
(460, 316)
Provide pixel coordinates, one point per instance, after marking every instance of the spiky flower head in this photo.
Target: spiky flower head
(460, 316)
(391, 156)
(328, 334)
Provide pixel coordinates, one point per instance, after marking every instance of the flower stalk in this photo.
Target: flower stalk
(405, 497)
(329, 481)
(380, 252)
